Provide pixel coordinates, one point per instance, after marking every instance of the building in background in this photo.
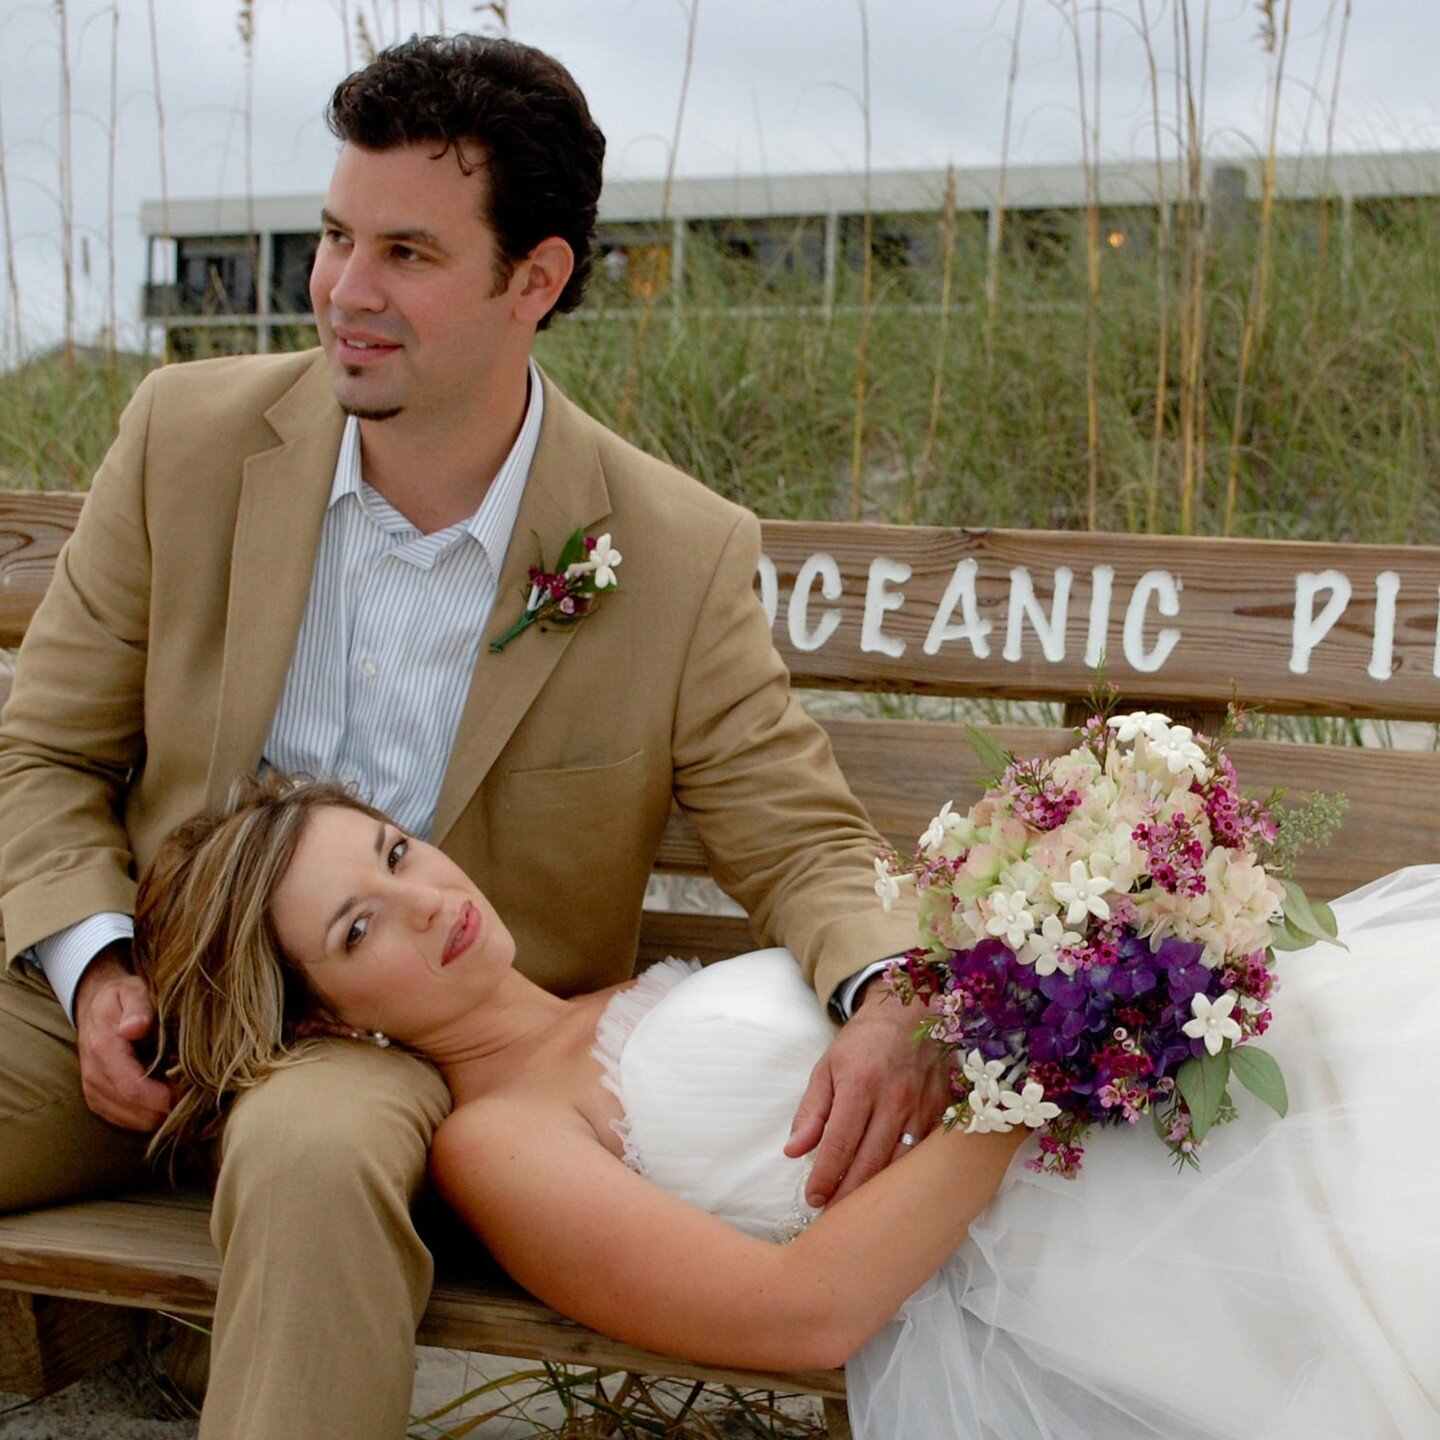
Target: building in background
(231, 274)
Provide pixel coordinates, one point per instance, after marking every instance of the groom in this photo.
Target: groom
(299, 561)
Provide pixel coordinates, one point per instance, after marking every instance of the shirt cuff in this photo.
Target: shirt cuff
(65, 956)
(842, 1002)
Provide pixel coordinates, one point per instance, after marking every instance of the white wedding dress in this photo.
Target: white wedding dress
(1289, 1288)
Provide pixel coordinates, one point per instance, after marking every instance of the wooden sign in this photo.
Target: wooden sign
(1282, 625)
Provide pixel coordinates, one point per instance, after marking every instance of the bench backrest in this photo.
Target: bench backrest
(1184, 625)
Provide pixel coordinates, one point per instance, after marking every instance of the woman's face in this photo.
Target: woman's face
(391, 933)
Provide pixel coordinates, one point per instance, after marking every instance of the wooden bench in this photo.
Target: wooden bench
(937, 624)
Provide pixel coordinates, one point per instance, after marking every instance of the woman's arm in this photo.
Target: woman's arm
(587, 1235)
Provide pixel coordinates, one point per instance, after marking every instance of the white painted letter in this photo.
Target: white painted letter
(1050, 628)
(769, 588)
(1166, 590)
(878, 599)
(1382, 645)
(960, 591)
(1102, 585)
(1436, 666)
(1308, 631)
(801, 636)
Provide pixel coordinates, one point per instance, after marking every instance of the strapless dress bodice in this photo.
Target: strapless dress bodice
(709, 1065)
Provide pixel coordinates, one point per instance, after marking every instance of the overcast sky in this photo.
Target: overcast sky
(776, 88)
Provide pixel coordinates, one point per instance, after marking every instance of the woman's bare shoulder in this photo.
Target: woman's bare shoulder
(496, 1130)
(497, 1121)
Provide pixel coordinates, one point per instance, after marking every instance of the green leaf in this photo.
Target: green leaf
(572, 551)
(1312, 919)
(1257, 1071)
(992, 755)
(1328, 923)
(1203, 1082)
(1285, 937)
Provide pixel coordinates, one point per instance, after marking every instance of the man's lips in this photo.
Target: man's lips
(462, 935)
(358, 346)
(360, 352)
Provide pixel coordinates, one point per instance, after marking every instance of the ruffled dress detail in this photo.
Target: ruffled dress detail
(709, 1065)
(1288, 1290)
(622, 1013)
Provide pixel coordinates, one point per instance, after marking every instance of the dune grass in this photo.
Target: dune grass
(754, 394)
(750, 386)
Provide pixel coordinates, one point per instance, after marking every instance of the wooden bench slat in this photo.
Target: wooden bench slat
(903, 770)
(152, 1251)
(33, 527)
(692, 937)
(515, 1324)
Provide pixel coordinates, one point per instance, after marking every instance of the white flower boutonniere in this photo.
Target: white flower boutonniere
(583, 573)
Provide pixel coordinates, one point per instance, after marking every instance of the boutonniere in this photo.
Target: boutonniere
(583, 573)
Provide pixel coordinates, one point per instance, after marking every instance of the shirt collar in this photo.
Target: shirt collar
(493, 523)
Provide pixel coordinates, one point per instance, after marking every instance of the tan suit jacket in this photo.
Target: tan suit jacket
(152, 669)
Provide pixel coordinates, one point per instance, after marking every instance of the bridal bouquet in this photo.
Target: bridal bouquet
(1097, 939)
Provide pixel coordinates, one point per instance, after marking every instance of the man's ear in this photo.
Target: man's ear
(540, 278)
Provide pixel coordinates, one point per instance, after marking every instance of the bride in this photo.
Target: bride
(621, 1155)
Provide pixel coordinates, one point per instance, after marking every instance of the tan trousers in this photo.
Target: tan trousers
(323, 1278)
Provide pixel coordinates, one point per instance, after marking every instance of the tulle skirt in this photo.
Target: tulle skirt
(1288, 1290)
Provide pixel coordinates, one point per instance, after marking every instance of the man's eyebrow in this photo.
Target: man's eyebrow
(415, 237)
(349, 900)
(405, 236)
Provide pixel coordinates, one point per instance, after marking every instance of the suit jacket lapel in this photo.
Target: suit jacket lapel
(277, 530)
(566, 488)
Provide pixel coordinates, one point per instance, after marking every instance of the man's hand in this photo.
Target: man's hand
(870, 1087)
(113, 1015)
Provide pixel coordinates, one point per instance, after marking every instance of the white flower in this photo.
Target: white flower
(601, 562)
(1009, 919)
(1082, 894)
(972, 919)
(887, 883)
(987, 1117)
(1179, 751)
(977, 1069)
(1151, 724)
(1047, 942)
(1212, 1022)
(1030, 1106)
(945, 823)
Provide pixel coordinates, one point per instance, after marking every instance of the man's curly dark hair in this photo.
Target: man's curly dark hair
(541, 152)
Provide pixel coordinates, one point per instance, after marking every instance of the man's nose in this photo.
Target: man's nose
(355, 285)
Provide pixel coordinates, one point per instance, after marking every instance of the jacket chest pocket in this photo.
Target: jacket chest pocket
(576, 787)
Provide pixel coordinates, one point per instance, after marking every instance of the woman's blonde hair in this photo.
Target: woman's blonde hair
(231, 1006)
